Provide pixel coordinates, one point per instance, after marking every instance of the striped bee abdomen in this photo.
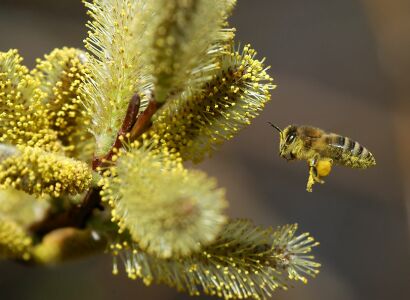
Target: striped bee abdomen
(347, 152)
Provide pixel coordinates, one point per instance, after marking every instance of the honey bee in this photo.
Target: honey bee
(321, 150)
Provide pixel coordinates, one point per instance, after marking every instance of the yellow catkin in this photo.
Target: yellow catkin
(114, 65)
(197, 123)
(60, 74)
(245, 261)
(23, 117)
(14, 242)
(167, 209)
(177, 39)
(38, 172)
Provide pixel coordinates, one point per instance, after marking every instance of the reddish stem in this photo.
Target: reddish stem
(144, 120)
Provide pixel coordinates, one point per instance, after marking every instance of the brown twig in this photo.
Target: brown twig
(144, 120)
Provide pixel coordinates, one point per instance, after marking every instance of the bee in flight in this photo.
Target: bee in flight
(321, 150)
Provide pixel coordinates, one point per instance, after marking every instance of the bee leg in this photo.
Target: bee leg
(313, 174)
(311, 179)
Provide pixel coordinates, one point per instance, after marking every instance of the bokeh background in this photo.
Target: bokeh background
(342, 65)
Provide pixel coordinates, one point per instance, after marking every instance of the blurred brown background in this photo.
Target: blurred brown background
(342, 65)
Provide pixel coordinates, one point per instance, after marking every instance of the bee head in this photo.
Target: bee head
(288, 138)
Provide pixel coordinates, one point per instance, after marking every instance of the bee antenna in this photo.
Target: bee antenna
(276, 127)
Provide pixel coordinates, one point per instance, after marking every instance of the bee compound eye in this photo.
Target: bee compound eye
(290, 138)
